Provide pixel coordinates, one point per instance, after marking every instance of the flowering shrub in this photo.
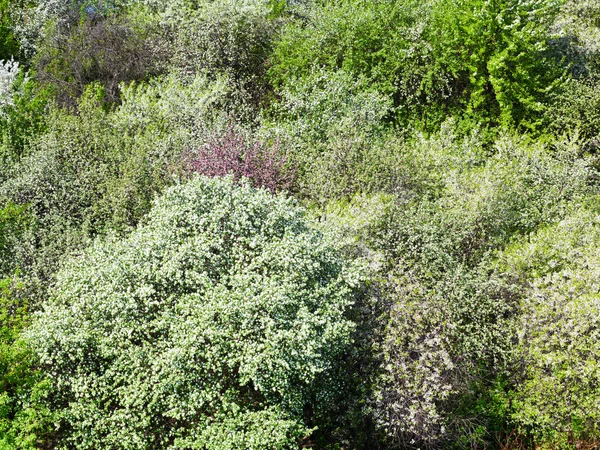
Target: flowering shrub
(9, 70)
(216, 324)
(452, 326)
(230, 154)
(558, 398)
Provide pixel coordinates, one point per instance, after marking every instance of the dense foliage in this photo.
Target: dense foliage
(487, 59)
(216, 322)
(299, 223)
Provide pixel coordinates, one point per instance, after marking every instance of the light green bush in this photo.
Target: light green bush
(216, 324)
(333, 133)
(96, 170)
(447, 345)
(558, 399)
(381, 41)
(13, 222)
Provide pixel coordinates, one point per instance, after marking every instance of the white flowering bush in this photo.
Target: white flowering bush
(216, 324)
(95, 170)
(558, 398)
(9, 70)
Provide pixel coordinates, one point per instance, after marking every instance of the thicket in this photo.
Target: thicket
(217, 323)
(273, 224)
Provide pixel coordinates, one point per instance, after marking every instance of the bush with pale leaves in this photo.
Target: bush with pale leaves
(216, 324)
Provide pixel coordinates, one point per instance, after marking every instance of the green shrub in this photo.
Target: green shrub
(332, 131)
(14, 222)
(558, 398)
(573, 110)
(379, 41)
(216, 324)
(22, 119)
(354, 224)
(9, 46)
(98, 169)
(231, 38)
(498, 52)
(25, 423)
(436, 58)
(450, 329)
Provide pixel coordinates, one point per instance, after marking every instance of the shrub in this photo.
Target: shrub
(23, 420)
(374, 40)
(9, 71)
(216, 324)
(9, 46)
(557, 399)
(14, 221)
(25, 423)
(32, 19)
(95, 170)
(22, 118)
(231, 38)
(331, 130)
(451, 326)
(231, 155)
(572, 111)
(572, 108)
(108, 50)
(435, 58)
(576, 31)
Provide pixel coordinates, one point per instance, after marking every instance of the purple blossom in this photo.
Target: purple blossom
(231, 154)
